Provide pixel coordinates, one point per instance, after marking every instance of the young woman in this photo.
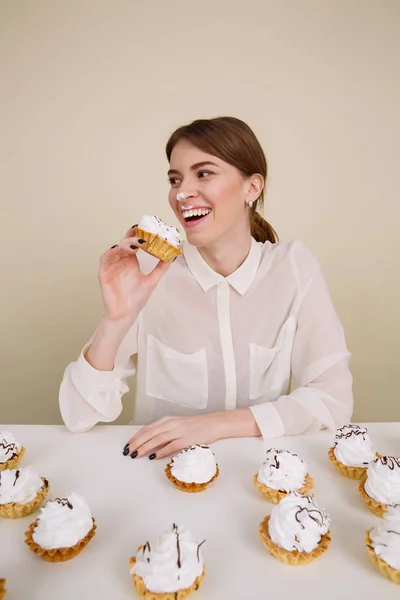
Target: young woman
(237, 337)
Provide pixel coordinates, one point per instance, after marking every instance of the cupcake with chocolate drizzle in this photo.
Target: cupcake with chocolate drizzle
(170, 567)
(193, 468)
(22, 491)
(2, 588)
(11, 451)
(297, 531)
(161, 240)
(63, 528)
(281, 473)
(352, 451)
(381, 487)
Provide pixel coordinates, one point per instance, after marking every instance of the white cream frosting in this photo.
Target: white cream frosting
(386, 537)
(9, 448)
(297, 523)
(63, 523)
(353, 446)
(170, 563)
(19, 485)
(383, 480)
(282, 470)
(195, 464)
(153, 224)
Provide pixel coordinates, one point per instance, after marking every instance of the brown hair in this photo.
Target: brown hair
(232, 141)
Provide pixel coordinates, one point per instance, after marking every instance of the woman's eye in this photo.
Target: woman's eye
(204, 173)
(173, 180)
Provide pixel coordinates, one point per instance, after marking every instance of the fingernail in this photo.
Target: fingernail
(152, 456)
(133, 226)
(175, 259)
(140, 241)
(126, 451)
(134, 454)
(133, 247)
(112, 247)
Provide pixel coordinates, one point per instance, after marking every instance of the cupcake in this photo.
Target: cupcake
(170, 567)
(21, 492)
(63, 528)
(162, 240)
(383, 544)
(193, 469)
(282, 473)
(10, 451)
(352, 451)
(297, 531)
(381, 486)
(2, 588)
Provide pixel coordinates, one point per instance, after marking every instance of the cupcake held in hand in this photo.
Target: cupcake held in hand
(193, 469)
(281, 473)
(297, 531)
(21, 492)
(162, 240)
(63, 528)
(11, 451)
(169, 567)
(381, 487)
(352, 451)
(383, 544)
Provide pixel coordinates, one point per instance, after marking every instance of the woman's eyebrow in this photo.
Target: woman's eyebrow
(194, 167)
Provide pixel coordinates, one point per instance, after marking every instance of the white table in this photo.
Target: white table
(133, 501)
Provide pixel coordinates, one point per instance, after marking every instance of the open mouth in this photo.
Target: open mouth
(195, 215)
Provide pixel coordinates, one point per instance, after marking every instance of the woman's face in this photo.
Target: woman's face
(215, 195)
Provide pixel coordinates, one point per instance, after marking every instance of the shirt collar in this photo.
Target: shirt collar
(240, 280)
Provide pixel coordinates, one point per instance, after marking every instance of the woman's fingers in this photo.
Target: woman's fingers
(171, 448)
(159, 441)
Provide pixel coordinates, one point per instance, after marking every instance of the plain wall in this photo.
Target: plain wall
(91, 90)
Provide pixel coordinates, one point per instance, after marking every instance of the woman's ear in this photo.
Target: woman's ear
(255, 187)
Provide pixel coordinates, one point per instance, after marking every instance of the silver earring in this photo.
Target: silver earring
(250, 203)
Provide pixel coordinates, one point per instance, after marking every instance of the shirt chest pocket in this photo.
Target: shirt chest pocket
(270, 367)
(176, 377)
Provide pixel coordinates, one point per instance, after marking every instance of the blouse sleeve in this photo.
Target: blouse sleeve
(88, 396)
(322, 396)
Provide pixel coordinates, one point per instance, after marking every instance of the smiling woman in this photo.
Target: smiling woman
(217, 337)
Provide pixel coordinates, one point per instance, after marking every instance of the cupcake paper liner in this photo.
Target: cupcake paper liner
(157, 246)
(148, 595)
(377, 508)
(188, 487)
(276, 496)
(13, 462)
(58, 554)
(380, 564)
(15, 510)
(294, 558)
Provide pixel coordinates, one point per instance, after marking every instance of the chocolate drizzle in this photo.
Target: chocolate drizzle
(390, 462)
(198, 550)
(17, 474)
(178, 546)
(353, 430)
(9, 449)
(314, 513)
(64, 502)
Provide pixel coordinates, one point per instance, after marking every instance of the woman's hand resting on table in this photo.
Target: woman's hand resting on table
(124, 287)
(171, 434)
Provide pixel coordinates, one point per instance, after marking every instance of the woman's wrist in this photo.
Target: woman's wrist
(236, 423)
(109, 335)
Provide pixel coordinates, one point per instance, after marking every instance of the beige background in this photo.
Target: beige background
(90, 92)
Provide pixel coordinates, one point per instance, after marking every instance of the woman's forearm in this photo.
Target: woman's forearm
(236, 423)
(104, 347)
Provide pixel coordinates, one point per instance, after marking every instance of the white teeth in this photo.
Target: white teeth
(196, 212)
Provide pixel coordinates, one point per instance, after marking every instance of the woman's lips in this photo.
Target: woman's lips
(191, 224)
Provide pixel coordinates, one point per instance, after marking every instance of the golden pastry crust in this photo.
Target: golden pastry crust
(13, 463)
(294, 558)
(157, 246)
(2, 588)
(275, 496)
(377, 508)
(188, 487)
(381, 565)
(58, 554)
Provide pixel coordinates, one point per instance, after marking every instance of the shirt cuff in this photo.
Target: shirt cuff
(91, 378)
(268, 420)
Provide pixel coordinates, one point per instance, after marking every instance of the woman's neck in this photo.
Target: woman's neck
(224, 258)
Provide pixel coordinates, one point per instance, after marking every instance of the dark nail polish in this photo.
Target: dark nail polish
(133, 226)
(112, 247)
(152, 456)
(134, 454)
(175, 259)
(126, 451)
(140, 241)
(133, 247)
